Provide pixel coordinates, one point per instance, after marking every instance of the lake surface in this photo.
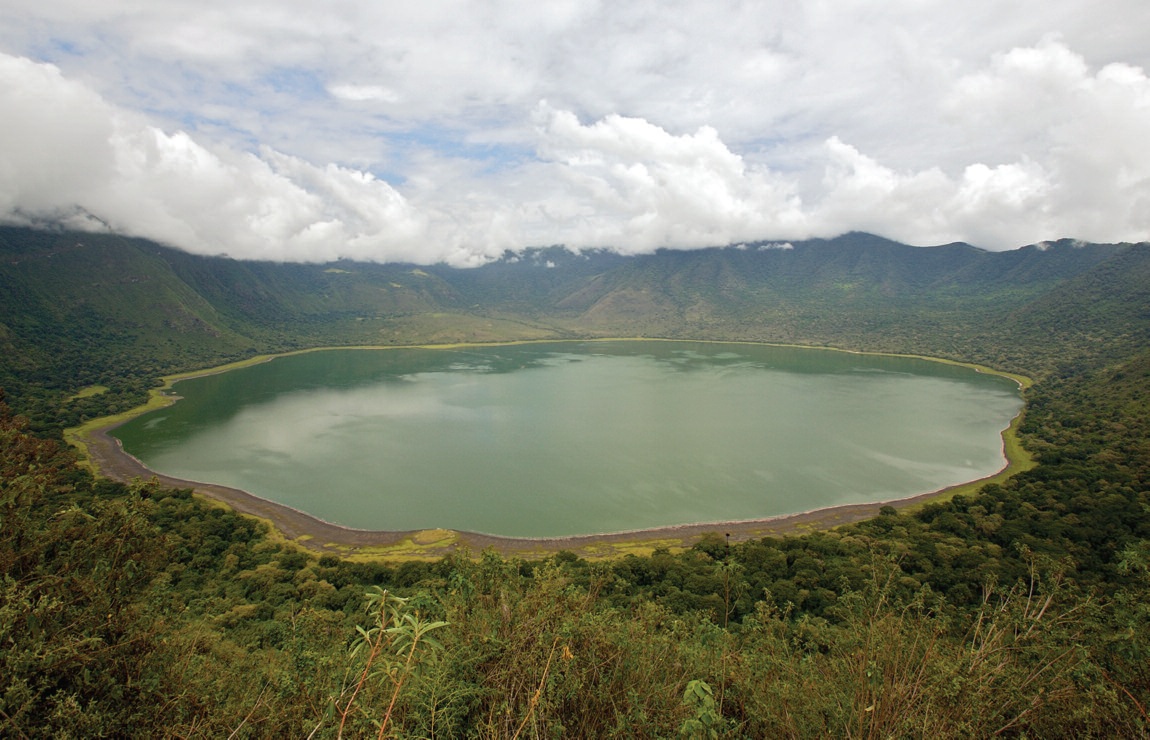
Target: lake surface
(556, 439)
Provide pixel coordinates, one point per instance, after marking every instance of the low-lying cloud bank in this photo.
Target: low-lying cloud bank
(1082, 169)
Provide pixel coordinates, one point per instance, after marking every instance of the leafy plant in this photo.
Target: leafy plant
(393, 645)
(706, 721)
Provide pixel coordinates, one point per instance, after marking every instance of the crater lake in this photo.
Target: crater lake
(570, 438)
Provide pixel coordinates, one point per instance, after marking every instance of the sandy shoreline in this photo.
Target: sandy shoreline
(109, 459)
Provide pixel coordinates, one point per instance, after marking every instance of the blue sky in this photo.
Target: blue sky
(452, 131)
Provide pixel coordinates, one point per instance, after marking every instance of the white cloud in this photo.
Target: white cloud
(1065, 156)
(64, 147)
(860, 193)
(289, 130)
(54, 137)
(362, 93)
(632, 185)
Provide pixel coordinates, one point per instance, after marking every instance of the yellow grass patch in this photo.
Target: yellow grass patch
(92, 390)
(639, 548)
(434, 537)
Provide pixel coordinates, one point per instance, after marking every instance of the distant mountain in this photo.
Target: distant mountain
(78, 309)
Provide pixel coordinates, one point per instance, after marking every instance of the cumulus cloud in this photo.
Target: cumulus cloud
(1073, 140)
(287, 131)
(1065, 155)
(635, 186)
(68, 155)
(55, 137)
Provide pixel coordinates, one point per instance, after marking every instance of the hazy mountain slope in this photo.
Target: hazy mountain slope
(68, 298)
(1103, 312)
(854, 290)
(272, 294)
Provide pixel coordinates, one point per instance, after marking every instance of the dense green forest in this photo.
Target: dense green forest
(1020, 610)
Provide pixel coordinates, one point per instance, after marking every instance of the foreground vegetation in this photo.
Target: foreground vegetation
(1020, 609)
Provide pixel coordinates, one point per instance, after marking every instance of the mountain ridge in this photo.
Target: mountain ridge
(78, 309)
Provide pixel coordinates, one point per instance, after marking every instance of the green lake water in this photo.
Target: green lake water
(543, 440)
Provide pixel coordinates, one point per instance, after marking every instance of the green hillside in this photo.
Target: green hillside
(80, 310)
(1020, 610)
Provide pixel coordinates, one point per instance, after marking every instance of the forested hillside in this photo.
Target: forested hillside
(1021, 610)
(81, 310)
